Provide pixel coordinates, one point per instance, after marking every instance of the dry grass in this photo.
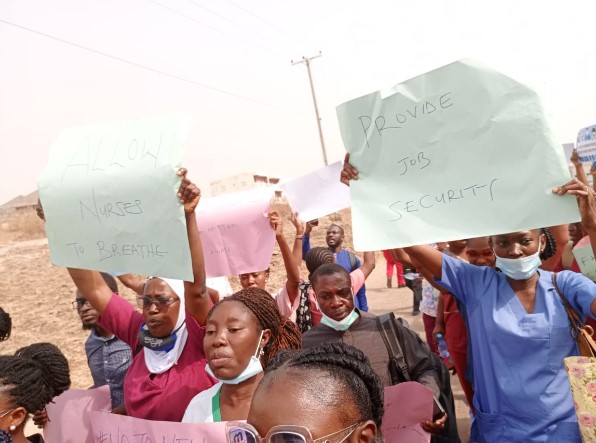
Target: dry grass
(21, 225)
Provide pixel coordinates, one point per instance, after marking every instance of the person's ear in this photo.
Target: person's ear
(366, 432)
(265, 338)
(18, 416)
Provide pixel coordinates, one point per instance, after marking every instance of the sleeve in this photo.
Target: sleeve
(122, 320)
(579, 290)
(357, 277)
(283, 302)
(465, 281)
(305, 245)
(417, 356)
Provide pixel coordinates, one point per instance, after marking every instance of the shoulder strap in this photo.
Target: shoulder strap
(574, 320)
(386, 326)
(352, 257)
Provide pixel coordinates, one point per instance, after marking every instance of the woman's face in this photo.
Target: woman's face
(313, 402)
(161, 319)
(254, 279)
(479, 252)
(231, 339)
(517, 244)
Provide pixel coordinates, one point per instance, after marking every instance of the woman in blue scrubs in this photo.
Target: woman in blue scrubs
(519, 330)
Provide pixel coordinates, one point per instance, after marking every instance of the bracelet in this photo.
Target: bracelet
(298, 237)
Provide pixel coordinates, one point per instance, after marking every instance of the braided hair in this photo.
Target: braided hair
(34, 375)
(316, 257)
(5, 325)
(551, 245)
(347, 366)
(284, 332)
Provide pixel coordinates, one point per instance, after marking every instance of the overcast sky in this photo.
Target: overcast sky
(251, 109)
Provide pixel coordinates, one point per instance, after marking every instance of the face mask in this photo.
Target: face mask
(519, 268)
(157, 344)
(254, 367)
(342, 325)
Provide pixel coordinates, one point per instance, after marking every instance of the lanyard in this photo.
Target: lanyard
(215, 406)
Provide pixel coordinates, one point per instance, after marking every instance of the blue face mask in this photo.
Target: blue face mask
(342, 325)
(519, 268)
(254, 367)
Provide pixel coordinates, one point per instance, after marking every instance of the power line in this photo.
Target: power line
(250, 31)
(145, 67)
(168, 8)
(278, 29)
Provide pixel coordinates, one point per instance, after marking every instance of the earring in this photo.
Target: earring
(261, 353)
(12, 428)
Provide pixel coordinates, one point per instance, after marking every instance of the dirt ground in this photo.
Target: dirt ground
(38, 295)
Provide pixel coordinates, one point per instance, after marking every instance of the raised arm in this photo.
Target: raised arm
(292, 271)
(90, 283)
(196, 296)
(133, 281)
(580, 173)
(368, 263)
(586, 200)
(428, 257)
(300, 233)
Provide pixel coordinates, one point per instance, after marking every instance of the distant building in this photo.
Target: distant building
(21, 203)
(243, 182)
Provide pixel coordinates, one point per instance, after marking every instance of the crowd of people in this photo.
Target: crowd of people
(308, 362)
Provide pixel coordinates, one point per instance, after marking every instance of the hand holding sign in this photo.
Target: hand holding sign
(454, 144)
(108, 197)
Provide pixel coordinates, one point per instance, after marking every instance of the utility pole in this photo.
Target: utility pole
(306, 61)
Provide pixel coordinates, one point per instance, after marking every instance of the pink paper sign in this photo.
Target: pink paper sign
(406, 405)
(235, 232)
(68, 416)
(111, 428)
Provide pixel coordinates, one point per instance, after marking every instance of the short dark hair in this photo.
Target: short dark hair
(316, 257)
(328, 269)
(349, 368)
(333, 225)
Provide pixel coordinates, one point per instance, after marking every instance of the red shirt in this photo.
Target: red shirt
(158, 396)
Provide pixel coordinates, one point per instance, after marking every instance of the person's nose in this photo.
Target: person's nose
(153, 308)
(515, 251)
(220, 338)
(335, 302)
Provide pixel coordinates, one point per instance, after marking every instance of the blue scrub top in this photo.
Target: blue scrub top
(521, 389)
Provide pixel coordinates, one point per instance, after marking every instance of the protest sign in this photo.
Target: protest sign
(406, 405)
(109, 197)
(235, 232)
(585, 258)
(318, 193)
(111, 428)
(586, 144)
(68, 414)
(459, 152)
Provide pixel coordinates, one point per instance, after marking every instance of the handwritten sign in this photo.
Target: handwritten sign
(235, 232)
(449, 154)
(110, 428)
(586, 144)
(406, 405)
(69, 420)
(318, 193)
(109, 196)
(585, 259)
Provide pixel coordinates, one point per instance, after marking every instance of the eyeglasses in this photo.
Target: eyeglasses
(241, 432)
(162, 303)
(6, 412)
(79, 303)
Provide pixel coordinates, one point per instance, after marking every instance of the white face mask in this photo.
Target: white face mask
(254, 367)
(519, 268)
(342, 325)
